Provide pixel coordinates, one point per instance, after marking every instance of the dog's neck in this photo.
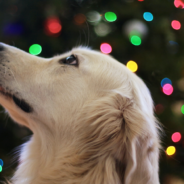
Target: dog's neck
(62, 164)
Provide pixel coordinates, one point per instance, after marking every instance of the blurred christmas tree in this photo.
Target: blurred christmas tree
(144, 34)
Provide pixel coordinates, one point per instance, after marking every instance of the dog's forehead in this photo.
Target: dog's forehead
(92, 55)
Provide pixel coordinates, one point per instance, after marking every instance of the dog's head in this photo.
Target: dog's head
(89, 97)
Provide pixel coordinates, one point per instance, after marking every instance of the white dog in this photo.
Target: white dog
(92, 119)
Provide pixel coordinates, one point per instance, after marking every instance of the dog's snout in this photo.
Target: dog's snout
(1, 47)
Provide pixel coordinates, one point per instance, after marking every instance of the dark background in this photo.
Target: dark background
(23, 23)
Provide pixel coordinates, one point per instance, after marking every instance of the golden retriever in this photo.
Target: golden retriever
(92, 119)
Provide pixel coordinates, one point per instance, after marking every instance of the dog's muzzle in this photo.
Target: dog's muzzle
(21, 103)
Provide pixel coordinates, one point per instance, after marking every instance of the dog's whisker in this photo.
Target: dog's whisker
(88, 34)
(15, 78)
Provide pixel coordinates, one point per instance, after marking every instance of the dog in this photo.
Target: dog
(92, 118)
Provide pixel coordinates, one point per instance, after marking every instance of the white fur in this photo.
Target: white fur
(92, 124)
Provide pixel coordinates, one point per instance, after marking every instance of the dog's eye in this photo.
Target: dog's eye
(70, 60)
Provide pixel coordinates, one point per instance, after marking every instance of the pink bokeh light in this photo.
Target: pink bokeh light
(105, 48)
(178, 4)
(176, 24)
(168, 89)
(176, 137)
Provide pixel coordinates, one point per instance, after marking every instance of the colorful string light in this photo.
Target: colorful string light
(135, 40)
(53, 26)
(148, 16)
(13, 29)
(159, 108)
(102, 29)
(1, 162)
(132, 66)
(176, 24)
(168, 89)
(105, 48)
(166, 81)
(110, 16)
(1, 165)
(172, 47)
(182, 109)
(93, 16)
(171, 150)
(35, 49)
(79, 19)
(178, 4)
(176, 137)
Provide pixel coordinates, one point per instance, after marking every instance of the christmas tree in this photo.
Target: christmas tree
(145, 35)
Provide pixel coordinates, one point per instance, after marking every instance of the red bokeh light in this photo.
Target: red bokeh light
(178, 4)
(176, 137)
(159, 108)
(140, 0)
(53, 26)
(176, 24)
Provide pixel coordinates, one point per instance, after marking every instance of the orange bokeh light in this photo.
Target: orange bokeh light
(79, 19)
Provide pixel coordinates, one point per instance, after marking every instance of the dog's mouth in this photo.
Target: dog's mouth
(22, 104)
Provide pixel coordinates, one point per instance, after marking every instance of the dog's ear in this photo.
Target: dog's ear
(117, 126)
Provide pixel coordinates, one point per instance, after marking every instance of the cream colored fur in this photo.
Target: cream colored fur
(92, 124)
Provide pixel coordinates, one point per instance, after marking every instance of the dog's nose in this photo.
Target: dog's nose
(1, 47)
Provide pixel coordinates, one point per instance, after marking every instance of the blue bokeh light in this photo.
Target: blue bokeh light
(166, 81)
(1, 162)
(148, 16)
(13, 29)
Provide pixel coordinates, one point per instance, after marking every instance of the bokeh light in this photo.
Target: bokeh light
(135, 28)
(110, 16)
(1, 162)
(102, 29)
(166, 81)
(135, 40)
(0, 168)
(182, 109)
(105, 48)
(167, 89)
(171, 150)
(53, 26)
(141, 0)
(13, 29)
(132, 66)
(176, 107)
(176, 24)
(172, 47)
(35, 49)
(159, 108)
(176, 137)
(93, 17)
(178, 4)
(79, 19)
(148, 16)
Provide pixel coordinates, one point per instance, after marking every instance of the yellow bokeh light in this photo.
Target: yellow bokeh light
(171, 150)
(132, 66)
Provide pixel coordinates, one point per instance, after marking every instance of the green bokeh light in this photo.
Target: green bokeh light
(135, 40)
(182, 109)
(35, 49)
(110, 16)
(0, 168)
